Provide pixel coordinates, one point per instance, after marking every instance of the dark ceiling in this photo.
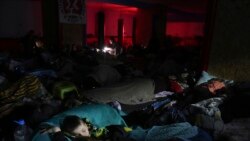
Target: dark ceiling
(188, 6)
(191, 6)
(177, 10)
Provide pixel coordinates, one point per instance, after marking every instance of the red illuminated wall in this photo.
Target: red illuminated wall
(185, 31)
(112, 13)
(144, 26)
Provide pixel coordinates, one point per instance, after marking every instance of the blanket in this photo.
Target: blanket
(28, 86)
(208, 106)
(180, 131)
(100, 115)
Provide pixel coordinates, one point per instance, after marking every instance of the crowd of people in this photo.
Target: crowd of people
(28, 91)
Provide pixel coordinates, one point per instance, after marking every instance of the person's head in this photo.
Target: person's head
(75, 126)
(39, 42)
(215, 84)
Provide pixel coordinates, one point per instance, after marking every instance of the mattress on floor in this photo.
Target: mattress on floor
(136, 91)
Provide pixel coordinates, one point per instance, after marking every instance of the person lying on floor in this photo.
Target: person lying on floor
(213, 88)
(236, 97)
(105, 123)
(75, 128)
(237, 102)
(99, 115)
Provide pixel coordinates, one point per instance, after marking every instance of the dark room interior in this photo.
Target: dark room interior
(124, 70)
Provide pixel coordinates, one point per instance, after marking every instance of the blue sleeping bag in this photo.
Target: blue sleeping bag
(100, 115)
(183, 131)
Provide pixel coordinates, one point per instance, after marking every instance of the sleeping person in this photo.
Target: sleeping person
(75, 129)
(214, 87)
(72, 127)
(102, 122)
(235, 96)
(73, 122)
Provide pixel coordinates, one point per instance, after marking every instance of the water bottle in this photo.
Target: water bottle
(22, 132)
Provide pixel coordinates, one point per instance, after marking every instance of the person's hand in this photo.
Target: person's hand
(51, 129)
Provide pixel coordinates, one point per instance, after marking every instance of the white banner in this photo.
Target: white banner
(72, 11)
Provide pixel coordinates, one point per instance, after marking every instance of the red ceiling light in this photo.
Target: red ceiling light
(121, 8)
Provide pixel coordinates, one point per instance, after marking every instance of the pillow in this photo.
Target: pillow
(204, 78)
